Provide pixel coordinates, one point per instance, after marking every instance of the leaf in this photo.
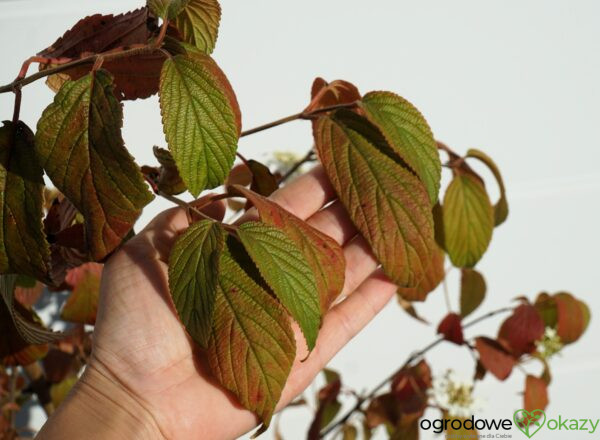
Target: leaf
(472, 291)
(408, 307)
(168, 9)
(263, 181)
(410, 386)
(59, 391)
(572, 317)
(322, 253)
(252, 346)
(198, 23)
(408, 133)
(23, 246)
(329, 406)
(82, 304)
(286, 271)
(169, 180)
(134, 76)
(546, 307)
(27, 293)
(193, 271)
(324, 94)
(434, 275)
(386, 202)
(501, 206)
(201, 119)
(451, 328)
(80, 146)
(522, 329)
(536, 394)
(349, 432)
(494, 357)
(459, 431)
(468, 220)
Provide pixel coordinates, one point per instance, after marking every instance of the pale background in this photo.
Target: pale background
(518, 79)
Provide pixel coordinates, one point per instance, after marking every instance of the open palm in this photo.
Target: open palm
(140, 342)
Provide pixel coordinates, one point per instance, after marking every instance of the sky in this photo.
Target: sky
(517, 79)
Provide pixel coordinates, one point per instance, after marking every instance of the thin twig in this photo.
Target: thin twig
(411, 359)
(301, 115)
(307, 158)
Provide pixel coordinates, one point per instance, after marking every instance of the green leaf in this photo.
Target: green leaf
(79, 144)
(82, 304)
(23, 246)
(408, 133)
(387, 203)
(468, 220)
(323, 253)
(193, 270)
(25, 322)
(501, 206)
(166, 8)
(252, 347)
(287, 272)
(198, 23)
(472, 291)
(200, 119)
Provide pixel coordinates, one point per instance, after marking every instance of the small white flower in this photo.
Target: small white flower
(454, 394)
(550, 343)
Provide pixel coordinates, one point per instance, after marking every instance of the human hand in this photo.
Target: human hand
(149, 380)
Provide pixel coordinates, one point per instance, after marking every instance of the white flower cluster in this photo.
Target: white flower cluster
(454, 394)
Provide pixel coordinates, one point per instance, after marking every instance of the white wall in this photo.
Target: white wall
(518, 79)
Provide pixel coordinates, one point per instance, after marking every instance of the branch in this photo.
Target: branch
(301, 115)
(307, 158)
(411, 358)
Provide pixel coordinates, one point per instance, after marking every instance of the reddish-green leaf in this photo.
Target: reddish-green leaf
(494, 357)
(536, 394)
(80, 146)
(410, 386)
(546, 306)
(434, 275)
(193, 271)
(522, 329)
(82, 305)
(135, 76)
(472, 291)
(408, 133)
(468, 220)
(286, 271)
(201, 119)
(322, 253)
(572, 317)
(252, 347)
(169, 181)
(198, 23)
(387, 203)
(23, 246)
(166, 8)
(324, 94)
(451, 328)
(501, 206)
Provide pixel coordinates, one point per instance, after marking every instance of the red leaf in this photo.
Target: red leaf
(410, 388)
(324, 94)
(451, 328)
(134, 77)
(536, 393)
(494, 357)
(572, 317)
(522, 329)
(82, 304)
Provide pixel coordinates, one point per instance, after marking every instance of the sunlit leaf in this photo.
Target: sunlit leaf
(434, 275)
(193, 270)
(386, 202)
(252, 347)
(23, 246)
(200, 119)
(286, 271)
(166, 8)
(522, 329)
(408, 133)
(494, 357)
(468, 220)
(451, 328)
(59, 391)
(79, 144)
(322, 253)
(198, 23)
(536, 393)
(472, 291)
(82, 304)
(501, 206)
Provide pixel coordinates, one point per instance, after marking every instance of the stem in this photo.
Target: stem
(307, 158)
(411, 358)
(301, 115)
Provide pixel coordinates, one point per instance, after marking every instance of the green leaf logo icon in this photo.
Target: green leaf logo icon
(529, 423)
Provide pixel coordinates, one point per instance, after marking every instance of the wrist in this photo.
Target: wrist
(99, 407)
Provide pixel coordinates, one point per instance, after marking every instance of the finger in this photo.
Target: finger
(303, 196)
(360, 263)
(340, 325)
(334, 222)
